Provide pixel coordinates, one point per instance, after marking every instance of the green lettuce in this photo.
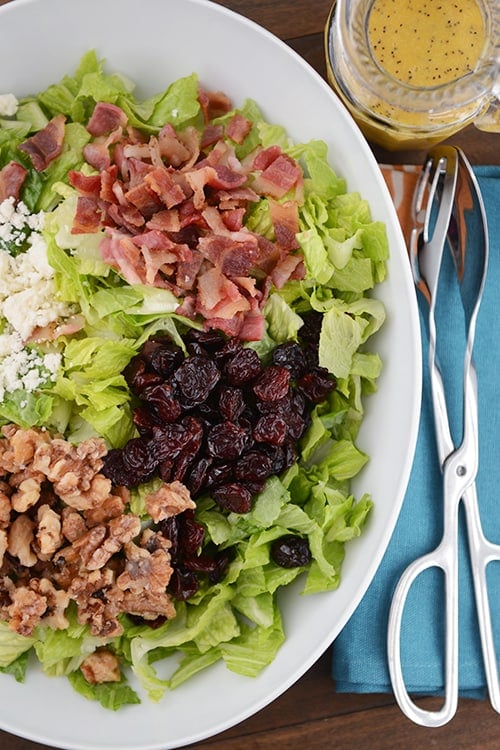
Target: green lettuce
(345, 252)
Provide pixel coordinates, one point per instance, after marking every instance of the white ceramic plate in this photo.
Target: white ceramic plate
(154, 42)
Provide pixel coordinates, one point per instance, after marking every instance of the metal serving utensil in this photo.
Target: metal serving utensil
(448, 205)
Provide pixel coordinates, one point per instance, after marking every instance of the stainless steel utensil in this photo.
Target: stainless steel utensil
(448, 205)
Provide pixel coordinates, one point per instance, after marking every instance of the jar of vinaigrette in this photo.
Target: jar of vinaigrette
(413, 72)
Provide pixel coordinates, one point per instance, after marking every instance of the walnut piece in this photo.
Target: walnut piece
(20, 538)
(172, 498)
(101, 666)
(48, 535)
(66, 535)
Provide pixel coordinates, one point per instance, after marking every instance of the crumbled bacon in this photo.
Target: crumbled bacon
(172, 210)
(106, 117)
(12, 176)
(46, 145)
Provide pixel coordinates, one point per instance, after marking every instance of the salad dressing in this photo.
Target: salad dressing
(426, 42)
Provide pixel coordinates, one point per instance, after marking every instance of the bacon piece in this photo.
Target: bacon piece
(145, 199)
(105, 118)
(89, 185)
(12, 176)
(211, 134)
(265, 157)
(88, 215)
(213, 104)
(219, 297)
(233, 219)
(97, 155)
(285, 219)
(253, 326)
(161, 182)
(238, 128)
(46, 145)
(279, 177)
(172, 149)
(120, 252)
(284, 270)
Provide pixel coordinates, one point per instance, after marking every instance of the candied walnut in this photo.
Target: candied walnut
(101, 666)
(152, 540)
(92, 592)
(6, 588)
(26, 610)
(172, 498)
(3, 545)
(19, 446)
(5, 505)
(148, 604)
(28, 489)
(112, 507)
(65, 565)
(73, 524)
(101, 542)
(89, 542)
(93, 497)
(57, 601)
(145, 571)
(48, 535)
(73, 470)
(20, 537)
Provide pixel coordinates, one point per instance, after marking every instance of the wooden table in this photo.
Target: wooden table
(311, 715)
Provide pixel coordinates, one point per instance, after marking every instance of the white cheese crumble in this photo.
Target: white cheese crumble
(8, 105)
(28, 301)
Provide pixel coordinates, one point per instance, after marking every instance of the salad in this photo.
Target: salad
(184, 308)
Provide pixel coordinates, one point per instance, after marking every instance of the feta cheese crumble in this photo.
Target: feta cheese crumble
(8, 105)
(28, 301)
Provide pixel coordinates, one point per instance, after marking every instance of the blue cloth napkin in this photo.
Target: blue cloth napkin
(359, 653)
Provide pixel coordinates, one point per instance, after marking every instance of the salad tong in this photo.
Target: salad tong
(448, 211)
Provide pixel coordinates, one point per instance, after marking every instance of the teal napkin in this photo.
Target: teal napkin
(359, 653)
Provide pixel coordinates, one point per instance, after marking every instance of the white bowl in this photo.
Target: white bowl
(154, 42)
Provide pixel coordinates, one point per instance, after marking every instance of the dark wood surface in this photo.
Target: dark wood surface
(311, 715)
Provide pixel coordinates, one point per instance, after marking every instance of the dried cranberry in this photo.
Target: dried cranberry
(195, 481)
(199, 563)
(163, 401)
(270, 428)
(138, 377)
(310, 331)
(219, 473)
(291, 356)
(169, 440)
(291, 551)
(253, 466)
(183, 584)
(195, 378)
(164, 358)
(139, 458)
(207, 342)
(222, 560)
(144, 419)
(115, 469)
(227, 440)
(272, 384)
(233, 497)
(243, 367)
(170, 529)
(191, 533)
(317, 384)
(231, 403)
